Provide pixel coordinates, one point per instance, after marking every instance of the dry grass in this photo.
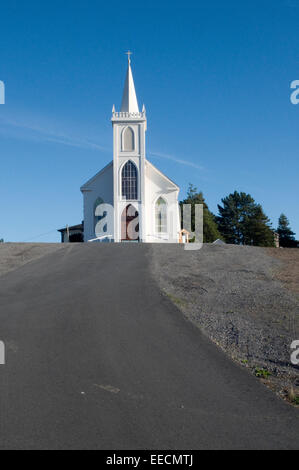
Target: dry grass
(292, 396)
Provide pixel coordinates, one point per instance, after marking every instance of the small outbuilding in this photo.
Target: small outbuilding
(73, 234)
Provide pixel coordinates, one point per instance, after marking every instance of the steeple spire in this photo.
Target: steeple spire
(129, 53)
(129, 102)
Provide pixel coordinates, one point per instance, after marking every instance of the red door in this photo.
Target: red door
(130, 224)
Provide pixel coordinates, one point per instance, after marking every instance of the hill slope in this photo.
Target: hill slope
(98, 358)
(244, 298)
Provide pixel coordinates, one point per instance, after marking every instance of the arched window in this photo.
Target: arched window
(129, 181)
(97, 218)
(161, 216)
(128, 140)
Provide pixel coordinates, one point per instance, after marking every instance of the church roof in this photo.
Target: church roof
(85, 186)
(162, 174)
(129, 102)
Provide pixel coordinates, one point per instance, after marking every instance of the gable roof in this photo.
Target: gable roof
(85, 185)
(162, 174)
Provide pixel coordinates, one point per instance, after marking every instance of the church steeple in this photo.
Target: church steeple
(129, 102)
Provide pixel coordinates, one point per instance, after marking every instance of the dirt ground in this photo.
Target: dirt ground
(243, 298)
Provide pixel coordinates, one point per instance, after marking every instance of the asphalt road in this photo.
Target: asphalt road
(97, 358)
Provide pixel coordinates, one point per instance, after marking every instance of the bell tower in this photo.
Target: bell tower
(129, 127)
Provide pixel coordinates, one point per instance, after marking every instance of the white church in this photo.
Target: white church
(129, 199)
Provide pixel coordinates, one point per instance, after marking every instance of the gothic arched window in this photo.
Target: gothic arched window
(128, 140)
(129, 181)
(161, 216)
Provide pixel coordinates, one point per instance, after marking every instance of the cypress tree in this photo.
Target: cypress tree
(286, 235)
(210, 229)
(242, 221)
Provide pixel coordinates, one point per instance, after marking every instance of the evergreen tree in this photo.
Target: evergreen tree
(257, 229)
(242, 221)
(286, 235)
(210, 230)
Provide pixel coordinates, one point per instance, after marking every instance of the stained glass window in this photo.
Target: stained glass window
(129, 181)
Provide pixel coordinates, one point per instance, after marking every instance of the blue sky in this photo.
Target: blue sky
(215, 81)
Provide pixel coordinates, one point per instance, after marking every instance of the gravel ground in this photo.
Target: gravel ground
(14, 255)
(288, 270)
(243, 298)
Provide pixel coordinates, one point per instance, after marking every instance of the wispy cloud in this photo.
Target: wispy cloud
(79, 143)
(28, 131)
(24, 129)
(176, 159)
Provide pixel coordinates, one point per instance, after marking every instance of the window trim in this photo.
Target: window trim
(166, 216)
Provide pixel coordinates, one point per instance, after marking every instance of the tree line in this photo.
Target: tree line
(240, 221)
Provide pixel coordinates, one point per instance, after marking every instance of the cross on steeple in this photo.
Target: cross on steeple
(129, 53)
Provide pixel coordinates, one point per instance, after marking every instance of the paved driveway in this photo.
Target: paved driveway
(97, 358)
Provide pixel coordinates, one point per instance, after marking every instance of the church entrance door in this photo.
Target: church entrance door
(130, 224)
